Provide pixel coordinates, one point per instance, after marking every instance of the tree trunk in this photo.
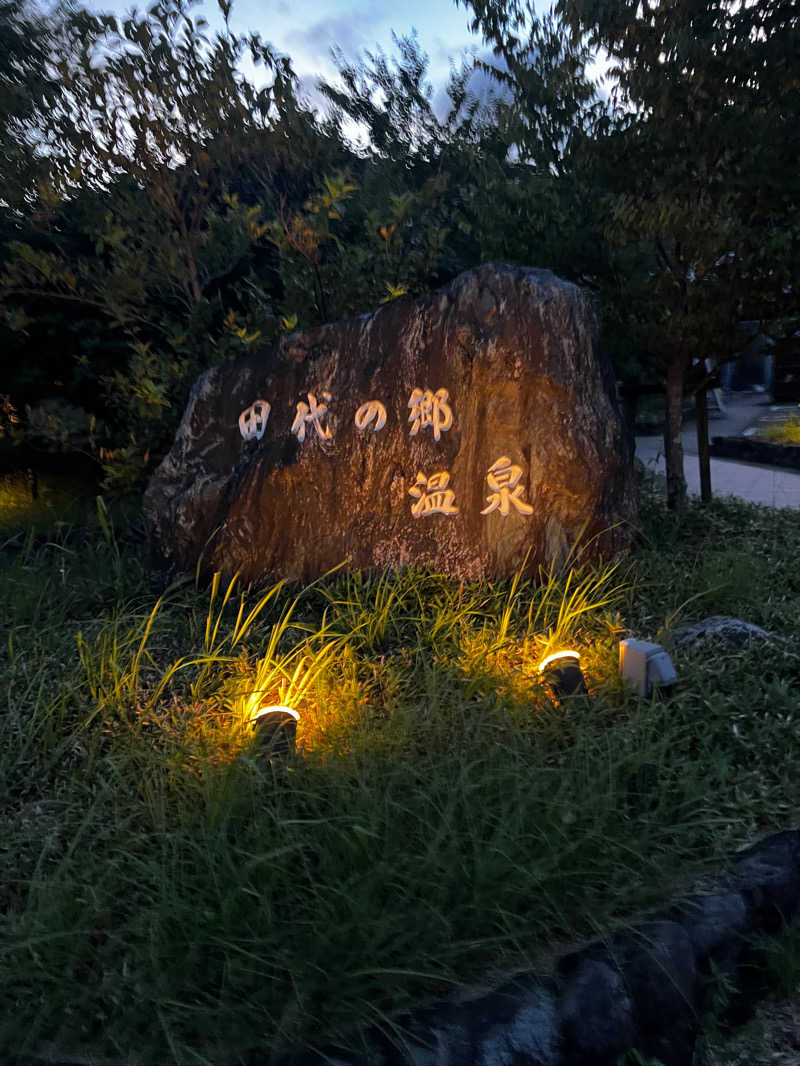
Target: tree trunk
(322, 307)
(703, 455)
(673, 446)
(194, 280)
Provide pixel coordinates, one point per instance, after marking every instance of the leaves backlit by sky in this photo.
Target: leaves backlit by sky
(307, 30)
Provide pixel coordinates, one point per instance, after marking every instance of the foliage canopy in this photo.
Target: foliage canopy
(164, 211)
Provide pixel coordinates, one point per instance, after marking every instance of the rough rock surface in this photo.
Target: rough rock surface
(719, 627)
(515, 350)
(595, 1011)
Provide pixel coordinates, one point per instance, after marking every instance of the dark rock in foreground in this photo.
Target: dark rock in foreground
(459, 432)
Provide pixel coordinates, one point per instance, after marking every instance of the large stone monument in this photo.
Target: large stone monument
(462, 432)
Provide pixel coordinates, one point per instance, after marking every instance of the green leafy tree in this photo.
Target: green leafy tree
(697, 172)
(440, 189)
(706, 133)
(303, 236)
(186, 214)
(168, 109)
(135, 225)
(27, 91)
(548, 114)
(405, 231)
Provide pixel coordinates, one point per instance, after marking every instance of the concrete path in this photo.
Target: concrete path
(773, 486)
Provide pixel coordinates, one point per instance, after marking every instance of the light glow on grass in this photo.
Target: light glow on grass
(56, 499)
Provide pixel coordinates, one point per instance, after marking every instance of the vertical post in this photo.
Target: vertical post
(630, 403)
(673, 424)
(703, 454)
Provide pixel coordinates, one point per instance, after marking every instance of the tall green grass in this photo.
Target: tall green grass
(168, 892)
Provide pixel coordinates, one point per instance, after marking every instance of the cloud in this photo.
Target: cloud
(348, 32)
(441, 51)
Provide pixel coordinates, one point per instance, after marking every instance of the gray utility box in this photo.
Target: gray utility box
(646, 666)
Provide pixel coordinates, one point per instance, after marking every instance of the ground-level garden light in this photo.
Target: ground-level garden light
(562, 674)
(276, 729)
(646, 667)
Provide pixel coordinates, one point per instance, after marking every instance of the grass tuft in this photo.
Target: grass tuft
(168, 893)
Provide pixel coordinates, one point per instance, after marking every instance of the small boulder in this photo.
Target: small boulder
(517, 1023)
(714, 922)
(768, 875)
(719, 627)
(595, 1010)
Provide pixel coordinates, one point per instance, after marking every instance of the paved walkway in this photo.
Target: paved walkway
(773, 486)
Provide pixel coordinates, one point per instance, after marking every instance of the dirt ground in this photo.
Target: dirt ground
(771, 1038)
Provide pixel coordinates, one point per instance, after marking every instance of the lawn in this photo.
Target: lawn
(168, 892)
